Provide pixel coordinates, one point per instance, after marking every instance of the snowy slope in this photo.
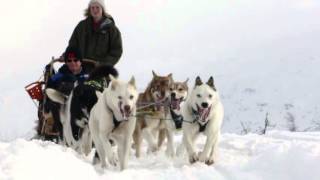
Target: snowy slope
(276, 156)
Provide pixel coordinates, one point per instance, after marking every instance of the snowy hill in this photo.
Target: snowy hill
(277, 156)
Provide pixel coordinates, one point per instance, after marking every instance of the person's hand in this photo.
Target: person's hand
(61, 58)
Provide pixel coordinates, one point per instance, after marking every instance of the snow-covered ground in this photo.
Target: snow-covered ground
(277, 156)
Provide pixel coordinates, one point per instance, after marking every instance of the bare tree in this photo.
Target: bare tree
(266, 124)
(291, 122)
(245, 129)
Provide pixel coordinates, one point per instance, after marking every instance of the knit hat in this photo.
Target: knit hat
(72, 52)
(100, 2)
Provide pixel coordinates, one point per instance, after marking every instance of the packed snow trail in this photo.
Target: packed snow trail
(278, 155)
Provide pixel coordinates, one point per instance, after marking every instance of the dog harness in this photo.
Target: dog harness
(202, 127)
(114, 119)
(115, 122)
(98, 84)
(177, 119)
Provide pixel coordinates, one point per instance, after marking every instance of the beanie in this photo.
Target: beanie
(100, 2)
(72, 52)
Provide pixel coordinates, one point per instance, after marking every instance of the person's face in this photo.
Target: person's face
(96, 11)
(74, 65)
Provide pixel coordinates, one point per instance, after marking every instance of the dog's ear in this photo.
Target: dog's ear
(111, 77)
(186, 81)
(55, 96)
(113, 82)
(154, 74)
(170, 77)
(211, 83)
(132, 82)
(198, 81)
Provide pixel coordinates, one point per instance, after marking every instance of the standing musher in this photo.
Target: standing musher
(97, 37)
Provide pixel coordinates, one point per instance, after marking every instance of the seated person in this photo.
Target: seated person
(70, 72)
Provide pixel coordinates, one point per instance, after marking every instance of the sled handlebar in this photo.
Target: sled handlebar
(54, 60)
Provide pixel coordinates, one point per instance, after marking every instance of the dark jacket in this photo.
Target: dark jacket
(103, 45)
(64, 80)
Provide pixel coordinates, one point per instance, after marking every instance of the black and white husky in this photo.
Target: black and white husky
(75, 109)
(203, 113)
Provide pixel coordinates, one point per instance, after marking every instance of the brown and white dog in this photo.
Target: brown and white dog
(174, 118)
(152, 110)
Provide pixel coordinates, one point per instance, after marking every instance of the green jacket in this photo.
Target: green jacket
(103, 45)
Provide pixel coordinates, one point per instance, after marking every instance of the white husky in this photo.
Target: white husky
(204, 113)
(113, 117)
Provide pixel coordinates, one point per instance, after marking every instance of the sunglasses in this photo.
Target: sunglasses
(74, 60)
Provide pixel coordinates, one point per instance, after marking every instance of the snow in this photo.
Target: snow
(276, 155)
(263, 55)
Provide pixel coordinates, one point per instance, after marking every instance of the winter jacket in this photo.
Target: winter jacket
(63, 80)
(104, 45)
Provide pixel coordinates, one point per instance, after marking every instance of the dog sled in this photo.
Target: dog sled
(36, 91)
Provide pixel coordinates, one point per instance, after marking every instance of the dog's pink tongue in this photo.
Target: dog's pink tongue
(127, 114)
(175, 104)
(204, 113)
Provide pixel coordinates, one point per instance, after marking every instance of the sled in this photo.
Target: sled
(36, 91)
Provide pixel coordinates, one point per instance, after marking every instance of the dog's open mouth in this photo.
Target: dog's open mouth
(203, 113)
(175, 103)
(160, 97)
(125, 111)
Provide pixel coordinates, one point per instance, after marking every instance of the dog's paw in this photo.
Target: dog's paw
(152, 149)
(113, 161)
(202, 157)
(193, 158)
(96, 160)
(209, 162)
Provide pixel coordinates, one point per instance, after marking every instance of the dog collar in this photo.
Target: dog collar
(98, 85)
(114, 119)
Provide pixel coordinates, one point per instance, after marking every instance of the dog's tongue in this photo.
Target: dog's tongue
(126, 114)
(175, 104)
(204, 113)
(160, 98)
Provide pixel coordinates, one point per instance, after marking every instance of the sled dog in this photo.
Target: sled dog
(113, 117)
(202, 112)
(151, 110)
(75, 108)
(174, 119)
